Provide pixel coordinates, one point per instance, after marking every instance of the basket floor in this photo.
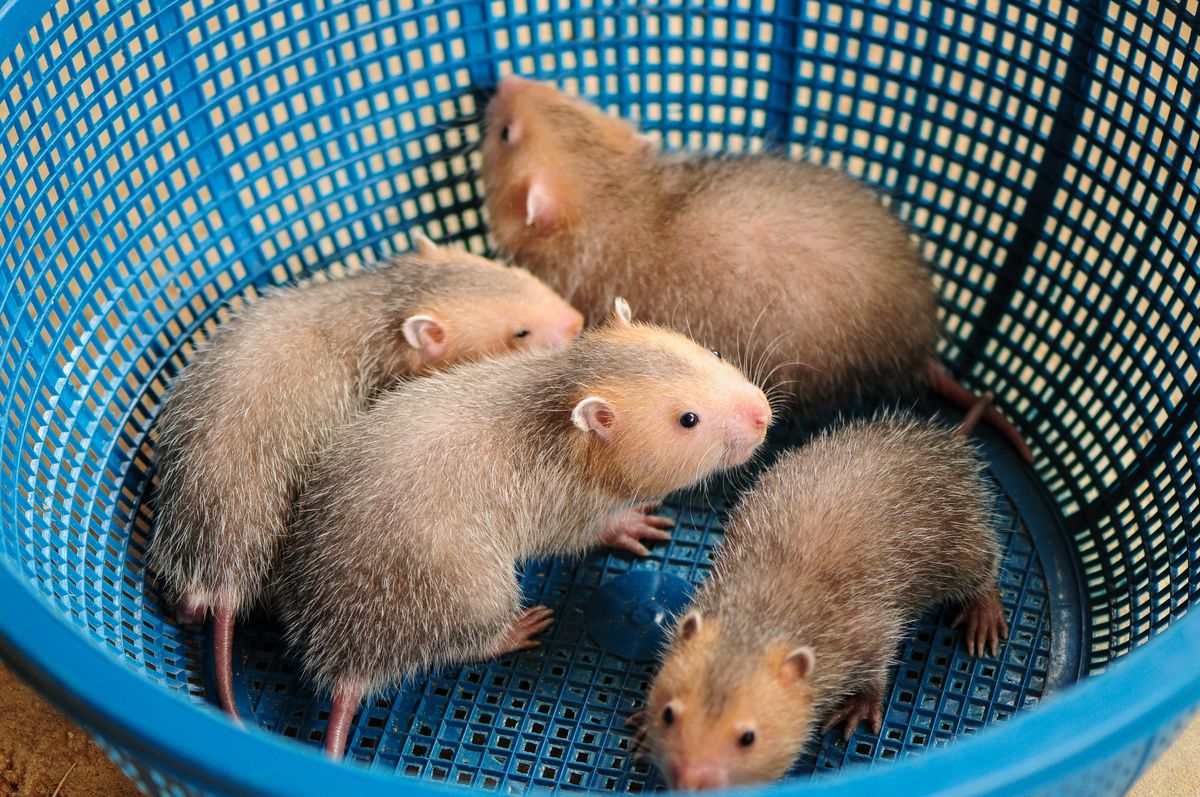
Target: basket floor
(554, 717)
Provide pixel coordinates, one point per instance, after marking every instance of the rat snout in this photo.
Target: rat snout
(756, 413)
(747, 428)
(697, 776)
(570, 325)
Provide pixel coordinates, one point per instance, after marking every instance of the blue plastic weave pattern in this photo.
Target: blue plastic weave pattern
(161, 160)
(555, 717)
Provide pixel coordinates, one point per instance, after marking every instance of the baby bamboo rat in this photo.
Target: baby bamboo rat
(246, 417)
(404, 551)
(825, 565)
(795, 270)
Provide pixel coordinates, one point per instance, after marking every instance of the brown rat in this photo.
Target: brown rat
(796, 270)
(826, 564)
(404, 551)
(245, 418)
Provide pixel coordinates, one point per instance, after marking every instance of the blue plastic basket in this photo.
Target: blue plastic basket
(159, 160)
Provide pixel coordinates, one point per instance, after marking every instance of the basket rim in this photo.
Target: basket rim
(1083, 724)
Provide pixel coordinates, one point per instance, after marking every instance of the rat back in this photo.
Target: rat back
(844, 542)
(402, 556)
(794, 271)
(247, 415)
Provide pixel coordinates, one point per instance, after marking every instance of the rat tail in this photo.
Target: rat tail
(971, 419)
(950, 389)
(223, 624)
(345, 702)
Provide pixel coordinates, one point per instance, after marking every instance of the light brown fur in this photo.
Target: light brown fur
(795, 271)
(839, 548)
(404, 551)
(247, 416)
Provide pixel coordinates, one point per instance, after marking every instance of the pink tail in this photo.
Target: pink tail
(971, 419)
(345, 702)
(223, 623)
(949, 388)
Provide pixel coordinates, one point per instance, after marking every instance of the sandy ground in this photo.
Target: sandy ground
(40, 749)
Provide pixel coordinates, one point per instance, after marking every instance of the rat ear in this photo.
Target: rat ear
(689, 626)
(427, 335)
(622, 314)
(539, 204)
(798, 664)
(644, 144)
(594, 414)
(423, 243)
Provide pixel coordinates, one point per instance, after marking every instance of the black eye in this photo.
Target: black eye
(504, 134)
(688, 420)
(668, 716)
(746, 739)
(522, 333)
(716, 354)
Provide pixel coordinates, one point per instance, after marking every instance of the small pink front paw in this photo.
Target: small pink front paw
(625, 530)
(525, 627)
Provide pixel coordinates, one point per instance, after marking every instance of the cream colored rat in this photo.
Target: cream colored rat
(826, 564)
(407, 539)
(249, 413)
(794, 270)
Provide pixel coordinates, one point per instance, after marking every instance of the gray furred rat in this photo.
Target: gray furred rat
(247, 416)
(795, 270)
(406, 542)
(826, 564)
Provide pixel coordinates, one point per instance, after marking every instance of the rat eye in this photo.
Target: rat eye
(746, 739)
(504, 134)
(668, 716)
(717, 354)
(688, 420)
(522, 333)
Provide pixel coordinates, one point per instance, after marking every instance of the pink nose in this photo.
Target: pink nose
(572, 325)
(757, 414)
(697, 776)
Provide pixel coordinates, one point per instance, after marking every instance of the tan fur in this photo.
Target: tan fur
(793, 270)
(247, 416)
(840, 546)
(405, 545)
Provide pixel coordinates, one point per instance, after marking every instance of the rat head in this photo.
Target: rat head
(546, 156)
(479, 308)
(723, 713)
(656, 411)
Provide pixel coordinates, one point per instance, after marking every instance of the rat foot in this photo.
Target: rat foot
(985, 624)
(626, 530)
(521, 633)
(190, 610)
(866, 704)
(637, 721)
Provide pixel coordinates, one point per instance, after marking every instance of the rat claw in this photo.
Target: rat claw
(637, 744)
(985, 624)
(525, 626)
(625, 530)
(864, 705)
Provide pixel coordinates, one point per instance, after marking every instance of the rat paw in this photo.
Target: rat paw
(525, 627)
(985, 624)
(626, 530)
(865, 705)
(638, 742)
(190, 610)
